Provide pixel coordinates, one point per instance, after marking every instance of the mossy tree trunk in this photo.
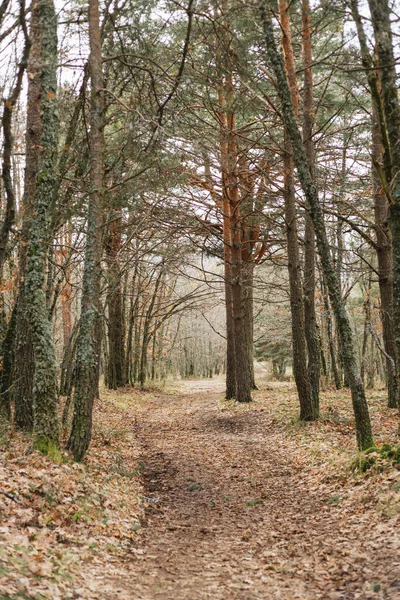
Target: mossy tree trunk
(88, 341)
(312, 337)
(360, 406)
(22, 379)
(383, 87)
(390, 130)
(384, 254)
(300, 368)
(45, 389)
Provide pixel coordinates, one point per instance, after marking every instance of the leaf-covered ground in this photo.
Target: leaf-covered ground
(186, 497)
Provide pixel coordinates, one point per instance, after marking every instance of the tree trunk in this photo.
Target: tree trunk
(226, 216)
(230, 331)
(248, 311)
(242, 370)
(66, 292)
(8, 145)
(22, 379)
(6, 371)
(312, 337)
(116, 353)
(88, 342)
(300, 369)
(360, 406)
(335, 372)
(242, 366)
(384, 92)
(45, 390)
(384, 254)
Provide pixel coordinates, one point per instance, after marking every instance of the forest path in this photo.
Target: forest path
(231, 515)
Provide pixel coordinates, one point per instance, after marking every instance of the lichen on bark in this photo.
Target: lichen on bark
(45, 390)
(360, 406)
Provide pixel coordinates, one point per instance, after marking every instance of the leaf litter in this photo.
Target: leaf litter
(186, 497)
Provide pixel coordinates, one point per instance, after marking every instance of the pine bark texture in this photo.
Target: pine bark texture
(116, 354)
(312, 337)
(88, 342)
(384, 254)
(233, 220)
(239, 378)
(22, 386)
(360, 406)
(45, 389)
(230, 331)
(300, 369)
(390, 129)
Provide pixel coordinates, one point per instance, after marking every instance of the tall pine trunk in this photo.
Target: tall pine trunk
(45, 389)
(248, 310)
(116, 350)
(22, 379)
(89, 336)
(300, 369)
(312, 337)
(380, 13)
(231, 193)
(384, 254)
(360, 406)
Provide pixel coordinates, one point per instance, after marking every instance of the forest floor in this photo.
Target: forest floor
(187, 497)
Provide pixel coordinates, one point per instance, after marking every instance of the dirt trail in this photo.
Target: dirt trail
(230, 517)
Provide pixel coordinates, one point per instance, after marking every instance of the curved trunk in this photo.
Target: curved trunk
(360, 406)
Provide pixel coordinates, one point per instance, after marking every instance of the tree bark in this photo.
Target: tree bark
(116, 351)
(389, 130)
(231, 193)
(6, 372)
(8, 144)
(248, 311)
(300, 369)
(66, 291)
(384, 254)
(335, 372)
(88, 342)
(22, 379)
(45, 390)
(360, 406)
(226, 210)
(312, 337)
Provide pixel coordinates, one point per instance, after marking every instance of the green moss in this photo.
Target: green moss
(380, 458)
(254, 502)
(46, 446)
(371, 450)
(366, 463)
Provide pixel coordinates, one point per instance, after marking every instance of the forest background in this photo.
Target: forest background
(198, 190)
